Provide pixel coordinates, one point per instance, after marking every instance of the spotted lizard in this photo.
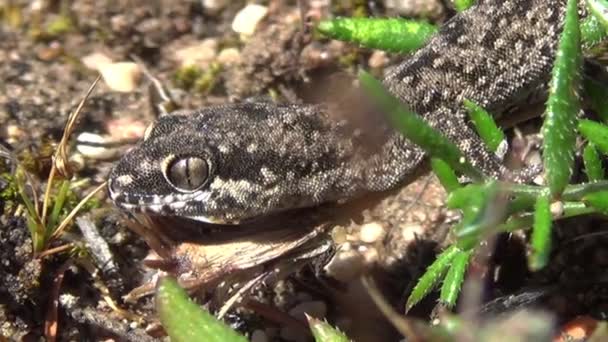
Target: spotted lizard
(232, 163)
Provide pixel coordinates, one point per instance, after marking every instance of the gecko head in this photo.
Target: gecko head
(222, 165)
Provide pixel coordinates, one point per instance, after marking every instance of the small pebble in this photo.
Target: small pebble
(229, 56)
(409, 232)
(121, 76)
(314, 308)
(200, 54)
(371, 232)
(96, 60)
(259, 336)
(248, 18)
(214, 6)
(346, 265)
(378, 59)
(14, 134)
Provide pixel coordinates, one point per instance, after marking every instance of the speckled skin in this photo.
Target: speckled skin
(266, 157)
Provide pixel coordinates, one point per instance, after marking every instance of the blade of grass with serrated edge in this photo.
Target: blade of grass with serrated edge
(559, 127)
(416, 129)
(541, 234)
(599, 10)
(446, 175)
(596, 133)
(592, 32)
(485, 125)
(323, 332)
(462, 5)
(598, 200)
(431, 277)
(184, 321)
(395, 35)
(454, 278)
(593, 164)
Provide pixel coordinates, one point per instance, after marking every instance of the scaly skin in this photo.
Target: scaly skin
(262, 158)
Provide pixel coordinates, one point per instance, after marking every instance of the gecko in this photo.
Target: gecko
(233, 163)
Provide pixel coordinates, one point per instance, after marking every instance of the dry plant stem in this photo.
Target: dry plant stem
(239, 295)
(51, 323)
(402, 325)
(55, 250)
(74, 211)
(60, 159)
(275, 315)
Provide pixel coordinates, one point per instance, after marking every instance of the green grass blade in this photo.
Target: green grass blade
(593, 164)
(59, 201)
(596, 133)
(415, 129)
(599, 10)
(462, 5)
(323, 332)
(454, 278)
(184, 321)
(485, 125)
(34, 225)
(598, 200)
(559, 127)
(395, 35)
(592, 32)
(431, 277)
(447, 176)
(541, 234)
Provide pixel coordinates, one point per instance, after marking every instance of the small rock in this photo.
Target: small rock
(378, 59)
(229, 56)
(248, 18)
(200, 54)
(121, 76)
(50, 52)
(409, 232)
(315, 308)
(96, 60)
(259, 336)
(345, 266)
(416, 8)
(14, 134)
(291, 334)
(214, 6)
(371, 232)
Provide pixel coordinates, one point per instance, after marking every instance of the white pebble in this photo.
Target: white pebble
(248, 18)
(200, 54)
(121, 76)
(96, 60)
(371, 232)
(229, 56)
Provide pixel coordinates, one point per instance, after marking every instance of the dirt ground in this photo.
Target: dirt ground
(46, 66)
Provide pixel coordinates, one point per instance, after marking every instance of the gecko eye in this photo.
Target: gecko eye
(187, 173)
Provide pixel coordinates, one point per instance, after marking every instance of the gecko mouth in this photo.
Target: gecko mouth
(170, 205)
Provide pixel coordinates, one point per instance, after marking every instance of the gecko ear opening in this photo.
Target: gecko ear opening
(187, 174)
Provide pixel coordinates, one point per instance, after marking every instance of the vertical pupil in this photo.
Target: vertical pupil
(188, 180)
